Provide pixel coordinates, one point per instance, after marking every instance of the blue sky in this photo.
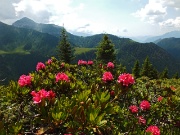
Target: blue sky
(125, 18)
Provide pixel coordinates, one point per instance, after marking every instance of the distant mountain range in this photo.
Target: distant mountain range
(175, 34)
(25, 42)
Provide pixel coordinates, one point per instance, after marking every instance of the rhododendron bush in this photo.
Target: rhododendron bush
(85, 99)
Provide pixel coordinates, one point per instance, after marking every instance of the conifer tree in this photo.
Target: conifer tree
(65, 50)
(176, 75)
(145, 67)
(164, 74)
(153, 73)
(136, 69)
(148, 70)
(106, 51)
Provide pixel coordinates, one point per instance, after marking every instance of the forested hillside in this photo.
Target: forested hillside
(171, 45)
(22, 48)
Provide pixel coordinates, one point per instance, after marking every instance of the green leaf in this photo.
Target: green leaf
(102, 123)
(83, 95)
(99, 118)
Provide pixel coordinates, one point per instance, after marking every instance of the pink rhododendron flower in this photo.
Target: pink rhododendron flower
(24, 80)
(145, 105)
(37, 99)
(90, 62)
(42, 94)
(62, 77)
(107, 76)
(110, 65)
(141, 120)
(133, 108)
(160, 98)
(49, 61)
(154, 130)
(33, 93)
(82, 62)
(40, 66)
(51, 94)
(126, 79)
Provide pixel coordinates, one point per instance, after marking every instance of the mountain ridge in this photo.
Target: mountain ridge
(171, 45)
(175, 34)
(39, 46)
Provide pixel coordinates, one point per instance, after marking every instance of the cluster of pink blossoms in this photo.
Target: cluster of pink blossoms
(40, 66)
(141, 120)
(42, 94)
(126, 79)
(49, 61)
(107, 76)
(154, 130)
(82, 62)
(24, 80)
(110, 65)
(62, 77)
(145, 105)
(133, 108)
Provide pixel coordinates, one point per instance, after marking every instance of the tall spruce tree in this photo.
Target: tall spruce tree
(106, 52)
(136, 69)
(148, 70)
(145, 67)
(65, 50)
(164, 73)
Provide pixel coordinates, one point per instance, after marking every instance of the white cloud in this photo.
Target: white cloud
(51, 11)
(7, 13)
(153, 12)
(171, 22)
(172, 3)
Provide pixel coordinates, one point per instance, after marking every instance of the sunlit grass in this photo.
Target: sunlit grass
(79, 50)
(17, 50)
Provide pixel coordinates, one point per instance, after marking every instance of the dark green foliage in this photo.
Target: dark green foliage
(136, 69)
(164, 74)
(85, 104)
(153, 73)
(129, 52)
(148, 70)
(105, 52)
(171, 45)
(25, 40)
(145, 67)
(176, 75)
(122, 68)
(18, 40)
(65, 50)
(14, 65)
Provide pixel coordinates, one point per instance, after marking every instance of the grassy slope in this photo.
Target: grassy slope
(82, 50)
(19, 50)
